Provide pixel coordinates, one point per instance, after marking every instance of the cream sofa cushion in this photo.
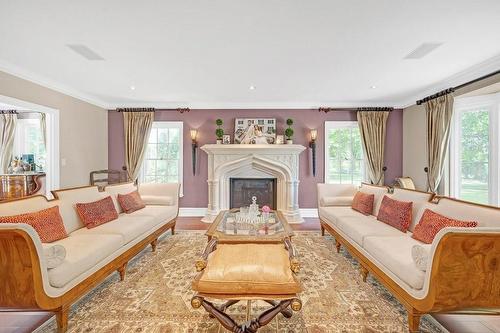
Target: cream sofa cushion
(421, 256)
(336, 201)
(54, 254)
(129, 227)
(69, 198)
(463, 211)
(157, 200)
(26, 205)
(359, 227)
(114, 190)
(378, 192)
(83, 251)
(332, 214)
(394, 253)
(161, 214)
(419, 200)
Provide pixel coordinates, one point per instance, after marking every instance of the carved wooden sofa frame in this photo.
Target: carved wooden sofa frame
(465, 273)
(21, 274)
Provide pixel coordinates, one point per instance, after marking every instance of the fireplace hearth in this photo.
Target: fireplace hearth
(243, 189)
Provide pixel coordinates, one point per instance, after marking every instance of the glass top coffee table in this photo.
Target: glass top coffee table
(227, 228)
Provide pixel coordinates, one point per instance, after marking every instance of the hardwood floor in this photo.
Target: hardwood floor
(25, 322)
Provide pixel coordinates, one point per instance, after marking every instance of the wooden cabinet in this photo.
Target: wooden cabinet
(21, 185)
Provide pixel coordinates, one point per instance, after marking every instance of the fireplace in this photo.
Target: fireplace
(242, 189)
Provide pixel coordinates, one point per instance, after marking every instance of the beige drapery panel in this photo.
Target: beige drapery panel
(7, 134)
(137, 126)
(439, 112)
(372, 127)
(43, 128)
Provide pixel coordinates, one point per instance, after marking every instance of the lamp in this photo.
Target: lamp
(194, 145)
(312, 145)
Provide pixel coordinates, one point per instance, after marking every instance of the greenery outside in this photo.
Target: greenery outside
(345, 156)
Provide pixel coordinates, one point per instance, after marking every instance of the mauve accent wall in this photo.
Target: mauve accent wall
(195, 187)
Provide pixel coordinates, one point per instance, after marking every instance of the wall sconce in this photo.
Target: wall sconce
(194, 145)
(312, 145)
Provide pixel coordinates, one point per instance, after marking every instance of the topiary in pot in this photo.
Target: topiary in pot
(289, 131)
(219, 132)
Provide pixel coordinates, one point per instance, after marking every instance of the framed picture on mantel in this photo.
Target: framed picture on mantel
(255, 130)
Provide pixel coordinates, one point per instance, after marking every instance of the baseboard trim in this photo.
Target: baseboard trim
(201, 211)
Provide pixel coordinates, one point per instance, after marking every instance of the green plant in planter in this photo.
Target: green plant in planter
(219, 132)
(289, 130)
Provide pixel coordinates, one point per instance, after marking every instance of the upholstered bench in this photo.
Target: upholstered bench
(249, 271)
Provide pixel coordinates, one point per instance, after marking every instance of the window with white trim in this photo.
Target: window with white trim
(29, 140)
(475, 149)
(164, 154)
(343, 153)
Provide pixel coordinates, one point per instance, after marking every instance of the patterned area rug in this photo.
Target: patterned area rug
(156, 294)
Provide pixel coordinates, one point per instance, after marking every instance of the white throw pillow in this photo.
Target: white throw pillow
(157, 200)
(421, 256)
(54, 255)
(336, 201)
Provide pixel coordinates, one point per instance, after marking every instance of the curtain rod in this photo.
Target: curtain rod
(9, 112)
(180, 110)
(452, 89)
(379, 109)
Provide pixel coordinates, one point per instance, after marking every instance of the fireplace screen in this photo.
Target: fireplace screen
(242, 190)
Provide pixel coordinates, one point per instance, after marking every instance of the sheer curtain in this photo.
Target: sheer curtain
(372, 128)
(137, 126)
(7, 133)
(439, 112)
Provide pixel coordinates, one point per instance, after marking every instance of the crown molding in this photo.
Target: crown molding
(484, 68)
(15, 70)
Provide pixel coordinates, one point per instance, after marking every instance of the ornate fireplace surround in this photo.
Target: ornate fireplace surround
(253, 161)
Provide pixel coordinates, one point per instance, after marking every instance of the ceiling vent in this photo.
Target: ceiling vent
(85, 52)
(423, 50)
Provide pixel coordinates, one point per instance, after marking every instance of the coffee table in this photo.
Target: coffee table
(226, 238)
(227, 230)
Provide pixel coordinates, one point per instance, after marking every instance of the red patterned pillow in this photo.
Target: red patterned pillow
(363, 202)
(130, 202)
(47, 223)
(395, 213)
(431, 223)
(96, 213)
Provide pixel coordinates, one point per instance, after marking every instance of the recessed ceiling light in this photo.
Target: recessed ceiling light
(251, 87)
(132, 87)
(373, 87)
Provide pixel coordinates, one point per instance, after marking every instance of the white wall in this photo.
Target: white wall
(83, 132)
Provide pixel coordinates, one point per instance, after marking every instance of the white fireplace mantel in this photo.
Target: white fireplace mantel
(253, 161)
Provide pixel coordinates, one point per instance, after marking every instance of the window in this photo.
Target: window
(29, 140)
(343, 153)
(474, 149)
(163, 160)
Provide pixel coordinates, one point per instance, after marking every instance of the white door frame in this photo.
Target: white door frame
(52, 168)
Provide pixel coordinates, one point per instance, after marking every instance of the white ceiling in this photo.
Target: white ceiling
(206, 54)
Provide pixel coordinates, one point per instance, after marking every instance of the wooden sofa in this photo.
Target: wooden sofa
(91, 254)
(463, 268)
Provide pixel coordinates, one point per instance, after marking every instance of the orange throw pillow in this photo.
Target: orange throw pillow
(395, 213)
(130, 202)
(96, 213)
(363, 203)
(47, 223)
(431, 223)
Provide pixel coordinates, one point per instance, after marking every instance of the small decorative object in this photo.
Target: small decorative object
(289, 131)
(312, 145)
(194, 145)
(280, 139)
(265, 212)
(226, 139)
(219, 132)
(255, 130)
